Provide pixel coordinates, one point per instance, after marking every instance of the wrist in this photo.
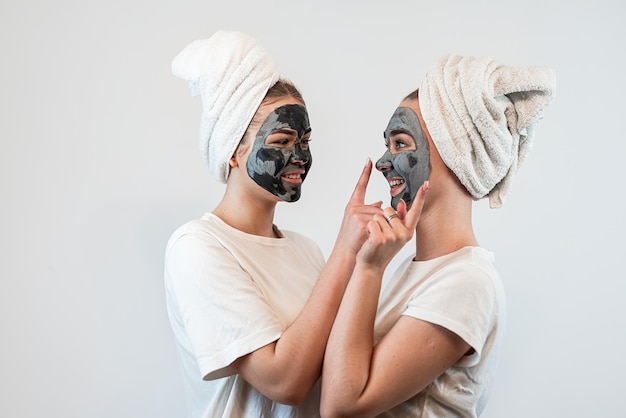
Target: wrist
(368, 269)
(342, 257)
(344, 251)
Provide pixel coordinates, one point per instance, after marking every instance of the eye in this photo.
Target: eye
(306, 138)
(283, 137)
(401, 142)
(279, 140)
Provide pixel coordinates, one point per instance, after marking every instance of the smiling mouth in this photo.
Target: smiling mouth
(293, 177)
(396, 186)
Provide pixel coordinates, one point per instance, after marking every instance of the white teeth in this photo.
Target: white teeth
(394, 183)
(292, 176)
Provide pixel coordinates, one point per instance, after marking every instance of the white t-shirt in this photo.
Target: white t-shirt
(229, 293)
(462, 292)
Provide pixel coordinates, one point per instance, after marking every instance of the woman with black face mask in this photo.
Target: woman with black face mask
(426, 342)
(251, 305)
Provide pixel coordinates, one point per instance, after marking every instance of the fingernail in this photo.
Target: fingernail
(426, 184)
(367, 161)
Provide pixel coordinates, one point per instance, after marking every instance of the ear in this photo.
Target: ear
(233, 161)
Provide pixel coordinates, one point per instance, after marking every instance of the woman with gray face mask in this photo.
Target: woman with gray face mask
(251, 305)
(426, 343)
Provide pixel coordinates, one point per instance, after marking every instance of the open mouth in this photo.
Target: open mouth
(294, 177)
(396, 185)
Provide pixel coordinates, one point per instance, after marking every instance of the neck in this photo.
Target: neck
(444, 227)
(247, 212)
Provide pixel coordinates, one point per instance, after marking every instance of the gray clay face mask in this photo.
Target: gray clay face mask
(405, 170)
(281, 165)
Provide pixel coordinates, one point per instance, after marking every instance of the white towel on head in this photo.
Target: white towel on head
(232, 73)
(481, 116)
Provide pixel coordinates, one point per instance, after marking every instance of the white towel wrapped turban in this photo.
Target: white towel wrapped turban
(232, 73)
(481, 116)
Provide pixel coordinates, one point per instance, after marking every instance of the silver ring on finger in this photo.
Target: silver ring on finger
(390, 217)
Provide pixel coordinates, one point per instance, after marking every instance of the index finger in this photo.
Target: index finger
(361, 186)
(415, 211)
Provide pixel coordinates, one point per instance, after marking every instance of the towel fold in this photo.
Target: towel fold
(481, 116)
(232, 73)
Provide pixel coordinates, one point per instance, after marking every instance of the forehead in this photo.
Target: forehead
(266, 108)
(404, 117)
(292, 116)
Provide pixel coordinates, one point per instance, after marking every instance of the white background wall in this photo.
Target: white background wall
(99, 164)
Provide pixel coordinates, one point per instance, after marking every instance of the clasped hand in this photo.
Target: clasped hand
(375, 235)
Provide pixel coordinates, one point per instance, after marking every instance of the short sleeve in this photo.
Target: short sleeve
(461, 299)
(224, 313)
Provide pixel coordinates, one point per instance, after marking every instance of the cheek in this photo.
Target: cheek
(306, 153)
(269, 161)
(309, 162)
(405, 163)
(414, 167)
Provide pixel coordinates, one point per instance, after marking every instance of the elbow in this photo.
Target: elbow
(327, 413)
(290, 398)
(336, 414)
(328, 410)
(338, 408)
(329, 406)
(292, 395)
(279, 384)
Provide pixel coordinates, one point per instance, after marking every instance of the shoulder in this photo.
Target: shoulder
(471, 267)
(467, 277)
(196, 236)
(208, 229)
(462, 293)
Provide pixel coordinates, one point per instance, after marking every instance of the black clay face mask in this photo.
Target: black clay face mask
(280, 158)
(406, 162)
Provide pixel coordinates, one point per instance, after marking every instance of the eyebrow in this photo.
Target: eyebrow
(400, 131)
(287, 131)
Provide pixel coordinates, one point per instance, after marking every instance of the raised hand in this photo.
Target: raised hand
(390, 230)
(357, 214)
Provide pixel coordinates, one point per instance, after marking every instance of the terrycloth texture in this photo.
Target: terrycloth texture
(232, 73)
(481, 116)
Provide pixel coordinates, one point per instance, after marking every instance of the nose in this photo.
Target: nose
(384, 163)
(299, 156)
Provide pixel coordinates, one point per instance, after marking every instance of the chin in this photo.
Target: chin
(396, 200)
(290, 198)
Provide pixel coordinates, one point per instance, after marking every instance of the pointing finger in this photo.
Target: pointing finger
(359, 191)
(358, 195)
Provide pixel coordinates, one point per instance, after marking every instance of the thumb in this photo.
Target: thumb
(401, 211)
(414, 213)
